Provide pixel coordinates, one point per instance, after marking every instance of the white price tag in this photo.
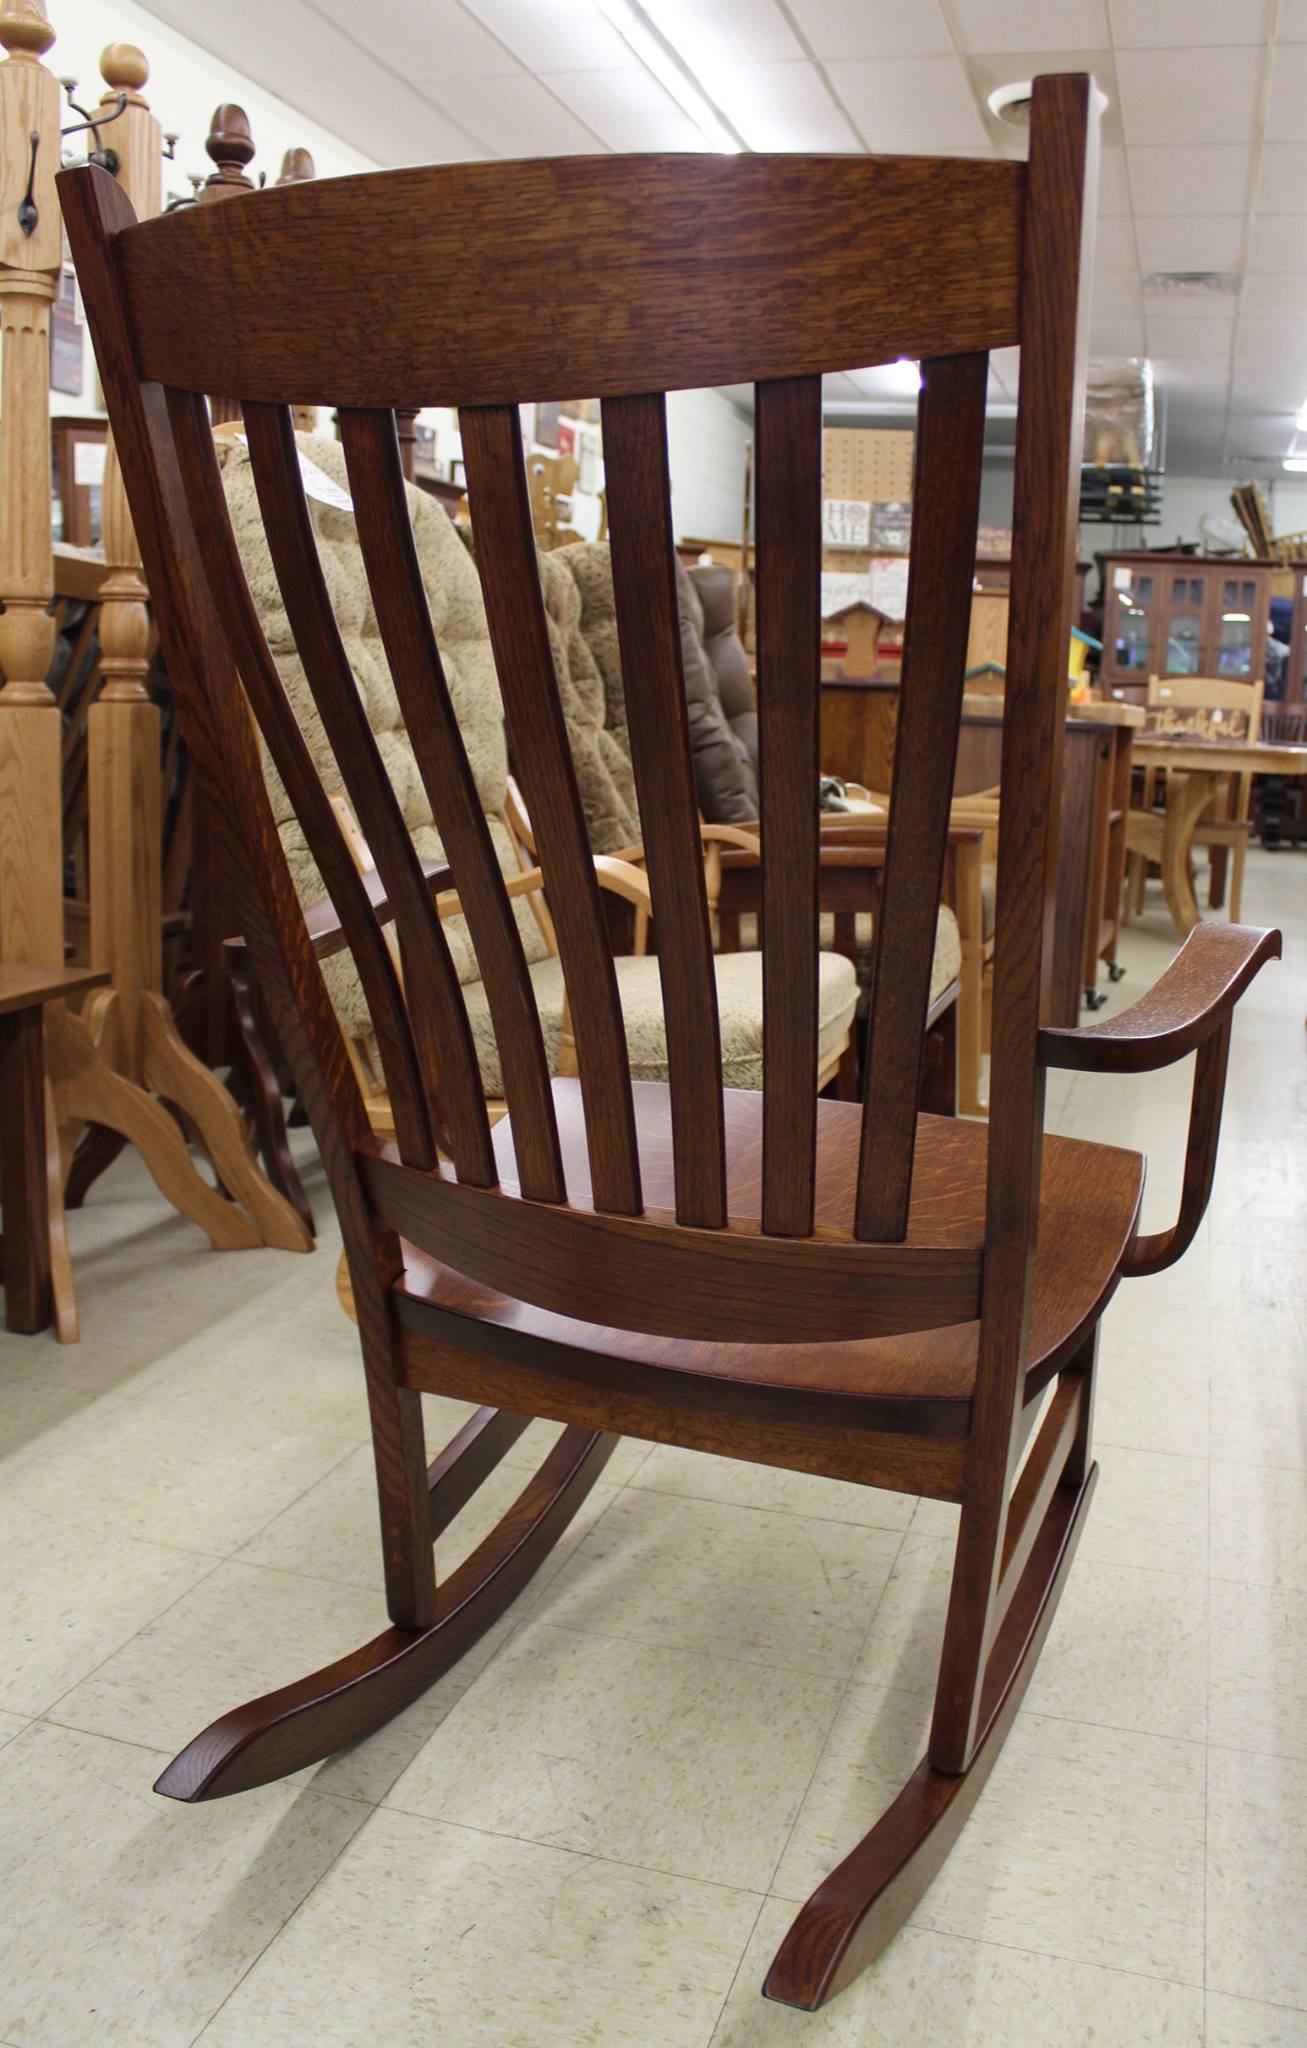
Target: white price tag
(89, 458)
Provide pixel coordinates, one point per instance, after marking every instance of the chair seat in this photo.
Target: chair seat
(639, 987)
(921, 1382)
(944, 965)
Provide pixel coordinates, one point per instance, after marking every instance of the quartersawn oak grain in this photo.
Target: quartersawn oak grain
(898, 1336)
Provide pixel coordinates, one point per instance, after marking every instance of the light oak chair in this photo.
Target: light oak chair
(857, 1292)
(1210, 707)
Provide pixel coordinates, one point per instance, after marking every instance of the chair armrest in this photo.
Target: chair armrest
(1182, 1009)
(617, 875)
(323, 922)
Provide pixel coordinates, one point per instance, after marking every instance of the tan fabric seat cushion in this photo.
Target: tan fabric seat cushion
(944, 966)
(739, 1003)
(453, 591)
(988, 898)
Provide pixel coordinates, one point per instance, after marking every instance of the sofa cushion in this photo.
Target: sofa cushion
(725, 777)
(601, 759)
(715, 584)
(739, 1004)
(453, 591)
(944, 967)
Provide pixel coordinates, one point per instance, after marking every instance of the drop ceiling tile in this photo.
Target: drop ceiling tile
(1276, 293)
(556, 35)
(1116, 291)
(1114, 247)
(873, 28)
(838, 387)
(1292, 24)
(1030, 24)
(1283, 184)
(1005, 363)
(430, 41)
(1168, 336)
(914, 104)
(1284, 111)
(1190, 241)
(781, 106)
(1169, 96)
(1271, 339)
(1175, 24)
(626, 109)
(727, 32)
(1113, 184)
(1193, 373)
(521, 117)
(1116, 337)
(1190, 178)
(1279, 242)
(1190, 306)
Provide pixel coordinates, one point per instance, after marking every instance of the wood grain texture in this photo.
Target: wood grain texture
(653, 680)
(436, 1013)
(1152, 1254)
(855, 260)
(946, 498)
(515, 614)
(1056, 260)
(788, 455)
(395, 581)
(1189, 1001)
(25, 1269)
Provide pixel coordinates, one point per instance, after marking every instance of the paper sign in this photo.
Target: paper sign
(88, 462)
(846, 522)
(317, 484)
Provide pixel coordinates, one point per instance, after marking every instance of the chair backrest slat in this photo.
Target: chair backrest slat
(519, 636)
(406, 1082)
(946, 507)
(644, 584)
(434, 999)
(372, 458)
(788, 457)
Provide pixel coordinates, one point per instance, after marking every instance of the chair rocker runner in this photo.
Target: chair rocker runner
(842, 1289)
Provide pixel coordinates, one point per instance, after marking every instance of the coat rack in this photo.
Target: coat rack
(106, 1065)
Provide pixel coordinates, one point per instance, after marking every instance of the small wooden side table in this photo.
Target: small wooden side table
(24, 991)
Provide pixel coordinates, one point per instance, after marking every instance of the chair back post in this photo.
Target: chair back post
(1057, 262)
(123, 726)
(229, 146)
(31, 838)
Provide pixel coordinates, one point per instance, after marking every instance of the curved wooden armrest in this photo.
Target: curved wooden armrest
(1182, 1009)
(615, 873)
(323, 921)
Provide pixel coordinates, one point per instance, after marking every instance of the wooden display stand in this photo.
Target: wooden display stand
(102, 1066)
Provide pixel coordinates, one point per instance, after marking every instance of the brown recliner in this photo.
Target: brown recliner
(715, 585)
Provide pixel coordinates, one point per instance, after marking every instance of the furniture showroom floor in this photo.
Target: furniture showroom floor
(594, 1831)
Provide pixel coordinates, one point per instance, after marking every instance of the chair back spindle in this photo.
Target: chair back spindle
(219, 300)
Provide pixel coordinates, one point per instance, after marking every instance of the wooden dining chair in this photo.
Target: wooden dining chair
(834, 1288)
(1209, 707)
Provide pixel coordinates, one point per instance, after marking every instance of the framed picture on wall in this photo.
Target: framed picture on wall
(547, 423)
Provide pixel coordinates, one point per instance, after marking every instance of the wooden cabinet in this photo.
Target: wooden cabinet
(1181, 615)
(77, 457)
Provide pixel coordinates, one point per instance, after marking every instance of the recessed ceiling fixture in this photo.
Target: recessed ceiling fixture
(672, 72)
(1011, 103)
(1192, 284)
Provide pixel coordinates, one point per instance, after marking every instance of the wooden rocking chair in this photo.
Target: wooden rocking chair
(843, 1290)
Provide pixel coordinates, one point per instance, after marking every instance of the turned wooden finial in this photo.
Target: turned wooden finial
(124, 68)
(25, 30)
(297, 167)
(229, 147)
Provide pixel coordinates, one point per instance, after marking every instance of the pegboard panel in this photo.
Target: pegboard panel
(867, 462)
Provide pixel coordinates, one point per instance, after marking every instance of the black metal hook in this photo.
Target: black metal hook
(28, 211)
(106, 158)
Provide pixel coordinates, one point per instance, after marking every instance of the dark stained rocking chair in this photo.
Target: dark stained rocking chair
(821, 1286)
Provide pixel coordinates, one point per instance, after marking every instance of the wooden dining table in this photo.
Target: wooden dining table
(1201, 767)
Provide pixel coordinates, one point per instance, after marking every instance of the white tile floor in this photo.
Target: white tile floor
(592, 1831)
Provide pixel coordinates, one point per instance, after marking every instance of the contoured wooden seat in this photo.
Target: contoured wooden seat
(842, 1289)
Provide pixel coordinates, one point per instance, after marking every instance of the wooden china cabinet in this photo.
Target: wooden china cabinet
(1183, 615)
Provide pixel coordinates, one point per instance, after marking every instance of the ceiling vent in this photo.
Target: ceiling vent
(1193, 284)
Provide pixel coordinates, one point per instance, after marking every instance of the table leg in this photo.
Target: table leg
(22, 1171)
(1187, 798)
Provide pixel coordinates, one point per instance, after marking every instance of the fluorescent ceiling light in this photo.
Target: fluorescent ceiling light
(1297, 463)
(1301, 421)
(672, 72)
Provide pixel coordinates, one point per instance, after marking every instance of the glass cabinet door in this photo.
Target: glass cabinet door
(1182, 649)
(1133, 627)
(1234, 632)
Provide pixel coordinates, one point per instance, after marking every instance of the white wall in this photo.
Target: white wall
(185, 86)
(707, 436)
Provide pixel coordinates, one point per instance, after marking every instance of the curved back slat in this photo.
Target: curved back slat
(946, 498)
(789, 642)
(372, 457)
(648, 620)
(435, 1004)
(519, 635)
(225, 576)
